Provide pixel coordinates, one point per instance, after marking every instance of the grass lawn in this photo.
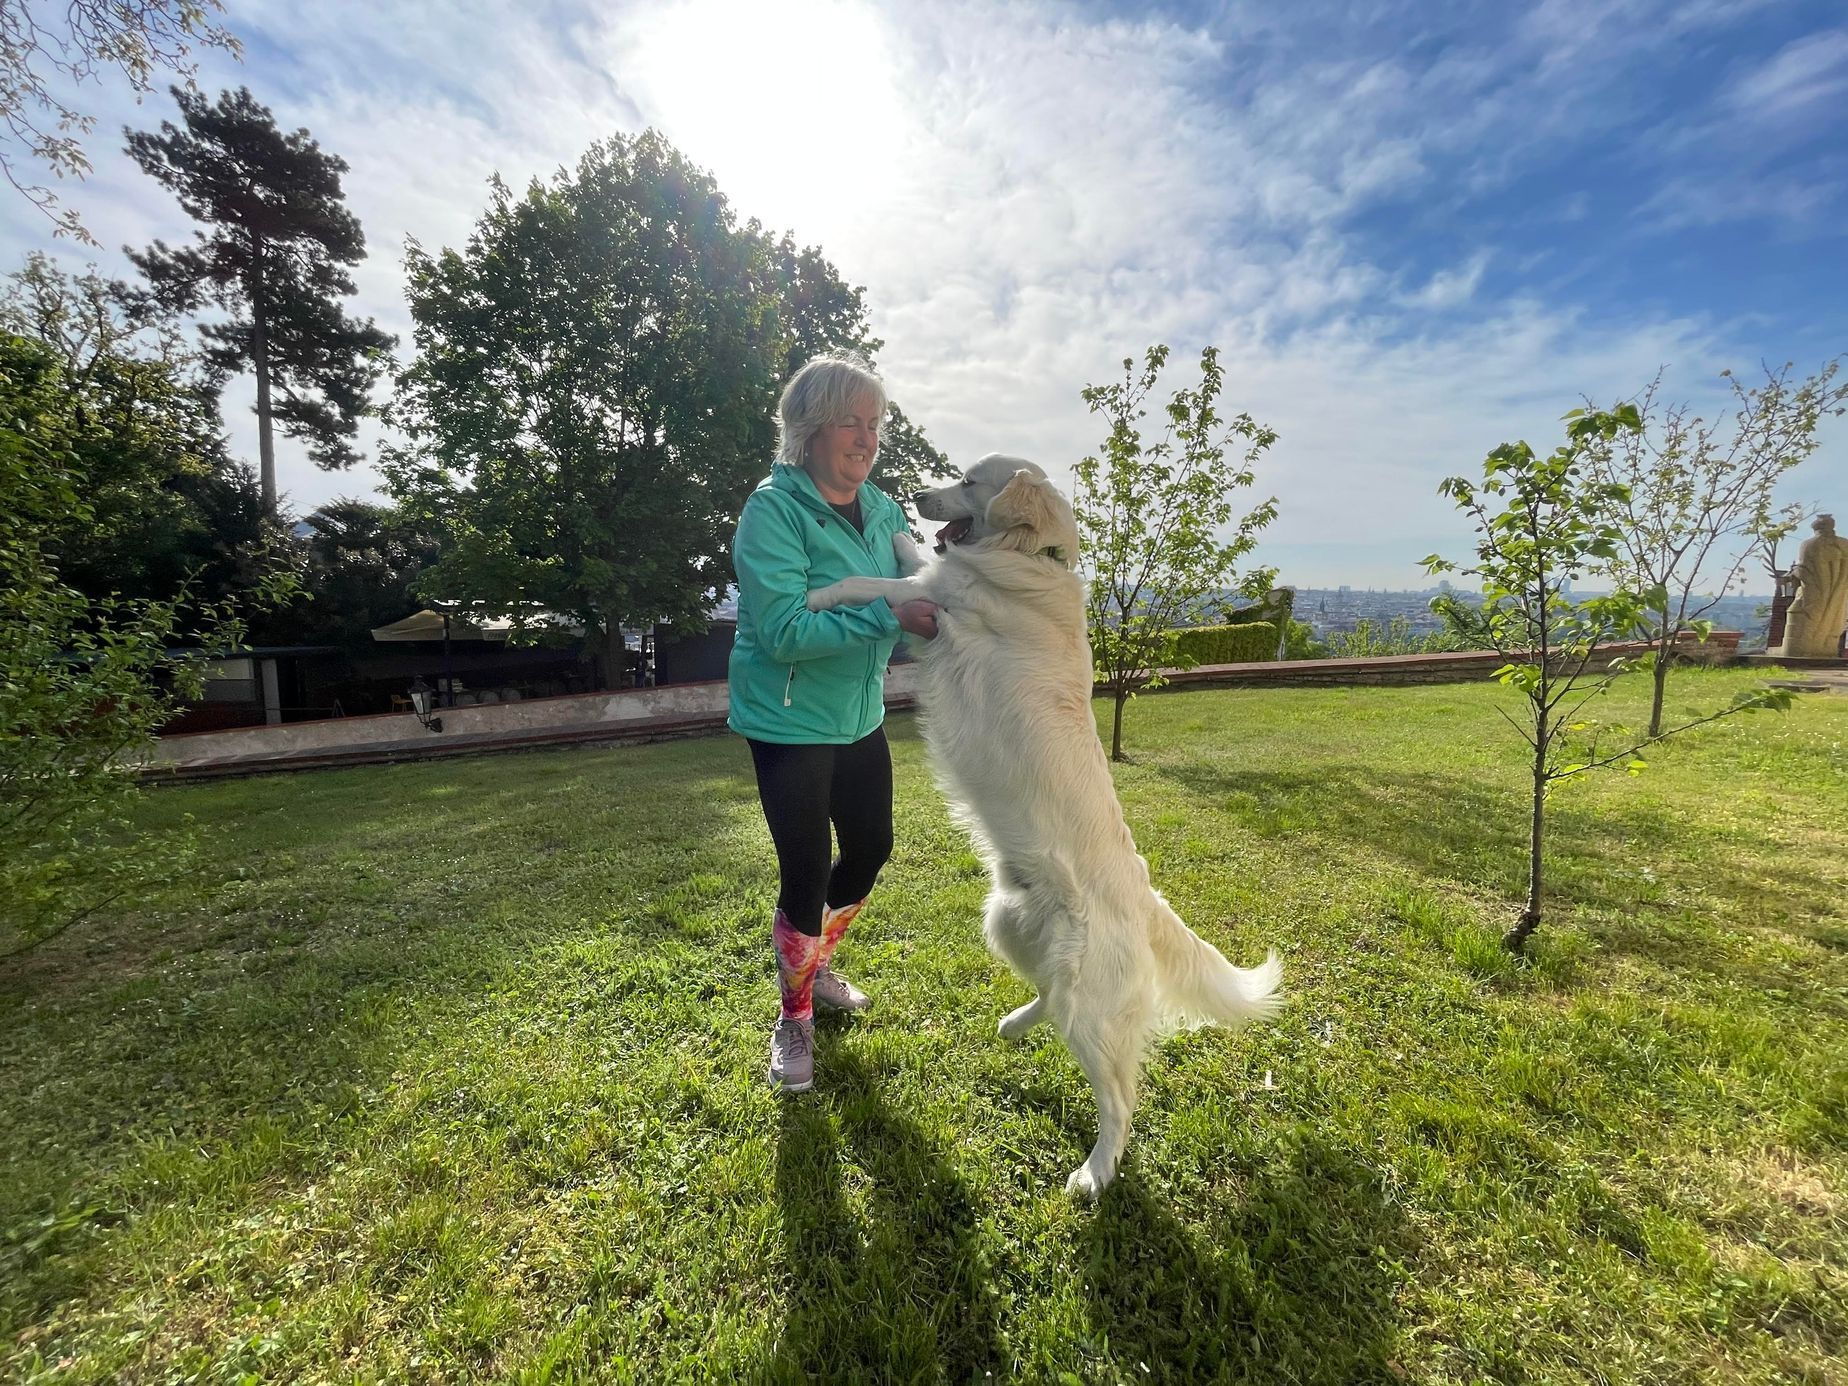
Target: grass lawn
(454, 1072)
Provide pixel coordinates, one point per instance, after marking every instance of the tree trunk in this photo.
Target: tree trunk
(259, 360)
(1661, 688)
(1665, 652)
(1116, 729)
(1515, 940)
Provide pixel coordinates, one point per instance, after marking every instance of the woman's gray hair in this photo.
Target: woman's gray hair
(821, 393)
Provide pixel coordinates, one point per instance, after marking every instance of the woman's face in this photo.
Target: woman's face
(840, 455)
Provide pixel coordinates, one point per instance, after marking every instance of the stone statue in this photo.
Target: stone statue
(1813, 628)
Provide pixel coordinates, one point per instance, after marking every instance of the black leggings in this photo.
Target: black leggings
(803, 789)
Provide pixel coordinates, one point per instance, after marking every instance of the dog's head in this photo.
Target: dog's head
(1004, 503)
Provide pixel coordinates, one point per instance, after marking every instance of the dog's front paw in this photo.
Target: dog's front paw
(1087, 1184)
(905, 549)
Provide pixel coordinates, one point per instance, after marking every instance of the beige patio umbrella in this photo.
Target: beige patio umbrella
(437, 625)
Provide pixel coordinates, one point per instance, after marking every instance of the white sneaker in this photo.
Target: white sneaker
(834, 992)
(792, 1056)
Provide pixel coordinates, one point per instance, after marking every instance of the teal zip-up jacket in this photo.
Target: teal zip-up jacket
(801, 676)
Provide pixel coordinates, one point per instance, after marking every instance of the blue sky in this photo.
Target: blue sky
(1414, 230)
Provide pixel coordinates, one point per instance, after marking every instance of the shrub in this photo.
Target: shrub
(84, 683)
(1246, 643)
(1369, 639)
(1300, 642)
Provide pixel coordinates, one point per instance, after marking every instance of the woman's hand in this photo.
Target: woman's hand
(917, 618)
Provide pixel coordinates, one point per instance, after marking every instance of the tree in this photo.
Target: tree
(360, 566)
(110, 386)
(819, 313)
(594, 387)
(275, 258)
(135, 37)
(84, 683)
(1769, 528)
(908, 462)
(1554, 525)
(1686, 495)
(1150, 521)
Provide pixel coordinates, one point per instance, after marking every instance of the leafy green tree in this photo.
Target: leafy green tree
(274, 255)
(1769, 528)
(84, 683)
(594, 387)
(1766, 532)
(1543, 522)
(817, 313)
(109, 385)
(908, 463)
(1687, 496)
(42, 58)
(360, 564)
(1152, 521)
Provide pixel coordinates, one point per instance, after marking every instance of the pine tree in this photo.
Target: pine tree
(274, 252)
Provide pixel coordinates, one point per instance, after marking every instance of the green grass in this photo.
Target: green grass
(453, 1072)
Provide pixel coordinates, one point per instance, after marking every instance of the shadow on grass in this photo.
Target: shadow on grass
(249, 1044)
(1460, 830)
(1295, 1285)
(886, 1282)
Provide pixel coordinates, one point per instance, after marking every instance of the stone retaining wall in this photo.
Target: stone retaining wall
(690, 708)
(575, 713)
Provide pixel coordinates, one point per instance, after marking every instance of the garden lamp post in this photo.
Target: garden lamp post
(423, 700)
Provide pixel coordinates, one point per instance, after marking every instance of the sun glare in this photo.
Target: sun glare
(793, 104)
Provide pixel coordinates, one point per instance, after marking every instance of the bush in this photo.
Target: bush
(1249, 642)
(81, 693)
(84, 683)
(1300, 642)
(1369, 640)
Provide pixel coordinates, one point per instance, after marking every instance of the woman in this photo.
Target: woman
(807, 687)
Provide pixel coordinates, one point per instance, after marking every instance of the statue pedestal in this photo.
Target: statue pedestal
(1816, 649)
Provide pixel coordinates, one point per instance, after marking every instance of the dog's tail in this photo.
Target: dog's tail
(1199, 987)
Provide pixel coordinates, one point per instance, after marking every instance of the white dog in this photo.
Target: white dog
(1007, 717)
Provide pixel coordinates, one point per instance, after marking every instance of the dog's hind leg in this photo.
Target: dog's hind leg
(1015, 1024)
(1014, 925)
(1109, 1049)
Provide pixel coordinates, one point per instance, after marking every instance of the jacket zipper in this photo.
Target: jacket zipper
(872, 659)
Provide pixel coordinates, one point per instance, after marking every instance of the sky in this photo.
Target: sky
(1414, 231)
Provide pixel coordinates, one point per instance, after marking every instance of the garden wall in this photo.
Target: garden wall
(694, 709)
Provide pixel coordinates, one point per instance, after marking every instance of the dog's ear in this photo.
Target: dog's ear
(1024, 503)
(1035, 518)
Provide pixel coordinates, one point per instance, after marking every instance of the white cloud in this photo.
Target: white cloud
(1800, 77)
(1781, 200)
(1450, 288)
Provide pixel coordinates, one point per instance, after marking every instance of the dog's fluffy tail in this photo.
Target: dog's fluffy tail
(1199, 987)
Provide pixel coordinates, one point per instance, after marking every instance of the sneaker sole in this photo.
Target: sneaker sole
(788, 1089)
